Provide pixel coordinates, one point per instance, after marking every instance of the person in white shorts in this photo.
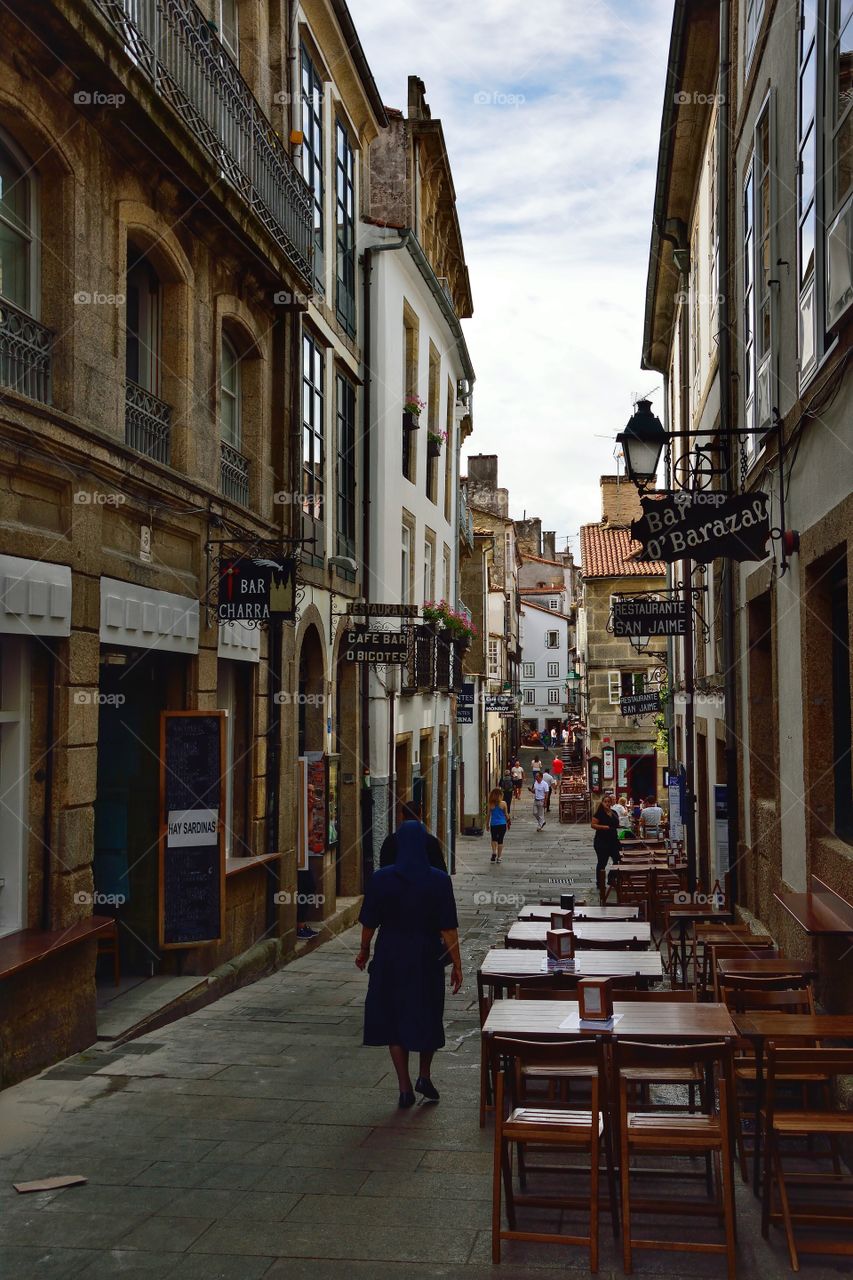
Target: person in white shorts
(540, 790)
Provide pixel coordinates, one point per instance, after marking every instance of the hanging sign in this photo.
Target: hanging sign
(503, 702)
(255, 590)
(640, 704)
(362, 609)
(465, 704)
(376, 647)
(645, 616)
(702, 526)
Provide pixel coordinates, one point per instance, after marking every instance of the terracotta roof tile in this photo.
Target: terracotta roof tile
(606, 551)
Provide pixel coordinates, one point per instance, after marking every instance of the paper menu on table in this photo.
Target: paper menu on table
(574, 1022)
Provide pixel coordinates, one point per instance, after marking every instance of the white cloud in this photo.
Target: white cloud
(555, 202)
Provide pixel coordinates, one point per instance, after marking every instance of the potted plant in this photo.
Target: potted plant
(412, 410)
(435, 439)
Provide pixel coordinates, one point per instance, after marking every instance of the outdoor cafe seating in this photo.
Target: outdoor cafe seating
(711, 1062)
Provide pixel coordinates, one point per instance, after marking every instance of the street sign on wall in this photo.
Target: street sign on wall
(361, 609)
(504, 702)
(640, 704)
(646, 616)
(701, 526)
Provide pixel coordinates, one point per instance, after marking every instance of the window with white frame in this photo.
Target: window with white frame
(18, 239)
(759, 218)
(406, 565)
(429, 569)
(494, 660)
(614, 687)
(808, 126)
(631, 683)
(713, 240)
(553, 604)
(230, 396)
(553, 670)
(529, 670)
(446, 576)
(754, 14)
(530, 697)
(552, 639)
(553, 697)
(227, 26)
(838, 198)
(695, 321)
(312, 154)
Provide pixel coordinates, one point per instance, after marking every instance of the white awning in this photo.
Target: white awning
(239, 642)
(35, 597)
(142, 618)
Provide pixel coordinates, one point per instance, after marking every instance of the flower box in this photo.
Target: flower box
(411, 421)
(433, 448)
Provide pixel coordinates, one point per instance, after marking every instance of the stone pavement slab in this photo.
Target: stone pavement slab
(258, 1138)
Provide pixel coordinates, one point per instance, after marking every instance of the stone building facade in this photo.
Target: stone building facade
(155, 262)
(623, 752)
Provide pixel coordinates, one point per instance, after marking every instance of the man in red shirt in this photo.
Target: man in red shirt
(557, 769)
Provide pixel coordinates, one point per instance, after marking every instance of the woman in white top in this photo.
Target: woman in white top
(621, 807)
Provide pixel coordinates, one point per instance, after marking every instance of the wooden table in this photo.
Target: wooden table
(766, 968)
(759, 1026)
(531, 933)
(660, 1021)
(516, 962)
(543, 912)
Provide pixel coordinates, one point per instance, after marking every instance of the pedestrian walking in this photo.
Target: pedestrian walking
(517, 773)
(506, 786)
(499, 822)
(411, 812)
(605, 824)
(412, 906)
(557, 767)
(537, 765)
(565, 736)
(539, 791)
(553, 738)
(548, 778)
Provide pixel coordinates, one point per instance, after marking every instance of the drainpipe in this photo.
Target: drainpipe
(729, 455)
(367, 850)
(47, 821)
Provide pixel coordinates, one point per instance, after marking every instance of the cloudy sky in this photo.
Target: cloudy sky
(551, 112)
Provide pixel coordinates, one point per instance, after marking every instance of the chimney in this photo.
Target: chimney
(483, 470)
(549, 545)
(620, 502)
(528, 534)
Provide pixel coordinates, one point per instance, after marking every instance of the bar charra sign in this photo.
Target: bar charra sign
(649, 616)
(252, 589)
(702, 526)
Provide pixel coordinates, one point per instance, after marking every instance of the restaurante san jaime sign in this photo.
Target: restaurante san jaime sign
(648, 616)
(702, 526)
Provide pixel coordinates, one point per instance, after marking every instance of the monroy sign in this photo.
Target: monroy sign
(702, 526)
(640, 704)
(644, 616)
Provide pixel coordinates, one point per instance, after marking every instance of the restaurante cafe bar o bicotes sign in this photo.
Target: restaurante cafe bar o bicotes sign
(702, 526)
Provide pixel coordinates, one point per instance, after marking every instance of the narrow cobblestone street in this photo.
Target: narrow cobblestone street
(259, 1138)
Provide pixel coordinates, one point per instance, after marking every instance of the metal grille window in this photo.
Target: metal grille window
(313, 434)
(345, 395)
(345, 221)
(312, 154)
(553, 697)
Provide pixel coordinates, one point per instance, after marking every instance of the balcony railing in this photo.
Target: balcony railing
(233, 474)
(25, 350)
(171, 41)
(147, 423)
(466, 521)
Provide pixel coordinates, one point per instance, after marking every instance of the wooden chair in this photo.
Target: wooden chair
(778, 994)
(706, 1133)
(702, 935)
(667, 887)
(575, 1130)
(488, 990)
(602, 944)
(784, 1064)
(633, 889)
(749, 949)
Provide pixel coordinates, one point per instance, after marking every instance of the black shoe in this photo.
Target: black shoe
(406, 1100)
(428, 1089)
(494, 857)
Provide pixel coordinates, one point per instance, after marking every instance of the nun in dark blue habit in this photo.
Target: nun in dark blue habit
(411, 904)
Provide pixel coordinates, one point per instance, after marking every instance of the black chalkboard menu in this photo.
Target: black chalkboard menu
(192, 828)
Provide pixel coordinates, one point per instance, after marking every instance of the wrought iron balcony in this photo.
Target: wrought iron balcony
(466, 521)
(233, 474)
(171, 41)
(147, 423)
(25, 351)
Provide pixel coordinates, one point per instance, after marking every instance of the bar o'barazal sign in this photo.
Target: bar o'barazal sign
(702, 526)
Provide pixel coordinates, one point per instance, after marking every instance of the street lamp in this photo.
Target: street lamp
(642, 443)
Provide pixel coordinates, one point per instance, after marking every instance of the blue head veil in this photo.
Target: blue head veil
(412, 862)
